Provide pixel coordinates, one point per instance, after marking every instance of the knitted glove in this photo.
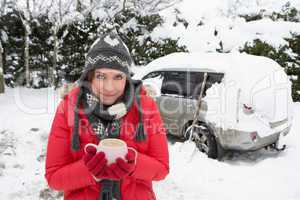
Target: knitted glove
(95, 162)
(122, 168)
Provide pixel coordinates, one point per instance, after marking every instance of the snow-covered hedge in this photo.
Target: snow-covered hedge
(73, 42)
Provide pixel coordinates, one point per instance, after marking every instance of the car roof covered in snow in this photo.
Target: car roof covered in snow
(233, 65)
(242, 71)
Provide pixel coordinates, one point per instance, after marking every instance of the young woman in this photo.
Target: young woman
(106, 104)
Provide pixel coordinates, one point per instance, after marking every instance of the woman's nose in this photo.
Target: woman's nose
(109, 86)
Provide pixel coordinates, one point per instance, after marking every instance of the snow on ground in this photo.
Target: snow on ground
(24, 127)
(25, 120)
(257, 175)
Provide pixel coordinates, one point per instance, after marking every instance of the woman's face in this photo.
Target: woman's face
(108, 85)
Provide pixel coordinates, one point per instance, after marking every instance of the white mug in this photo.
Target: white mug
(113, 148)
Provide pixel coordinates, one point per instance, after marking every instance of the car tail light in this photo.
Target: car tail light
(253, 136)
(248, 109)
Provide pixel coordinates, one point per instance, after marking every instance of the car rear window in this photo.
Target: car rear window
(187, 84)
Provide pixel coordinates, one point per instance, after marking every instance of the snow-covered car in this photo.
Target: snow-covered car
(246, 101)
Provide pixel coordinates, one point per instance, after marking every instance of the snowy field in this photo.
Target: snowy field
(25, 121)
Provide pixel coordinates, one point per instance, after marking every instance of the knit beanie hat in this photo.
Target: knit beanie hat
(108, 51)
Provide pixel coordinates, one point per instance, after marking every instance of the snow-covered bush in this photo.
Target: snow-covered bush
(287, 13)
(136, 29)
(74, 41)
(38, 79)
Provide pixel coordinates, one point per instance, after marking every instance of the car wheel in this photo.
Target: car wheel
(204, 140)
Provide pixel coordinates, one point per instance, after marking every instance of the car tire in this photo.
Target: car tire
(204, 139)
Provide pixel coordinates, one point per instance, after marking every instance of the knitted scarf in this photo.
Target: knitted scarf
(106, 123)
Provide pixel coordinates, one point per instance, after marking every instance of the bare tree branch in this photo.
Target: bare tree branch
(3, 5)
(154, 6)
(2, 85)
(124, 5)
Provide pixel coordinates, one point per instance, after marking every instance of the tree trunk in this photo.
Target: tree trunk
(26, 56)
(2, 82)
(2, 88)
(26, 50)
(55, 53)
(78, 6)
(124, 5)
(3, 5)
(60, 10)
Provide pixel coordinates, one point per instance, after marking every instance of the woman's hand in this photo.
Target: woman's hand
(95, 162)
(122, 168)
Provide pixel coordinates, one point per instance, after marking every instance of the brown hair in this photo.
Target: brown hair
(90, 75)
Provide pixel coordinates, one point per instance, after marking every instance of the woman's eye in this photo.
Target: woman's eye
(100, 77)
(119, 77)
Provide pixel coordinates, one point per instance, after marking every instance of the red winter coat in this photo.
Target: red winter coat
(65, 169)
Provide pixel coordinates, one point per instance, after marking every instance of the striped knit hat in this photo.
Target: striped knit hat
(109, 51)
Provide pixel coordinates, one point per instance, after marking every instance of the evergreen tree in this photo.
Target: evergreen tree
(76, 39)
(41, 49)
(11, 26)
(294, 65)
